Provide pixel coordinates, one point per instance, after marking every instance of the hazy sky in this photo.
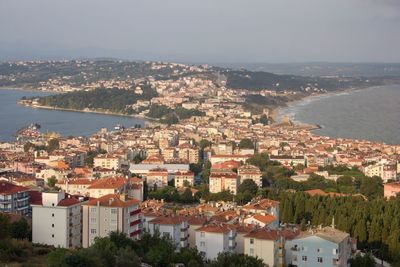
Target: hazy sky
(203, 30)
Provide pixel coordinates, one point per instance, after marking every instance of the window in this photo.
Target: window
(251, 251)
(335, 251)
(93, 220)
(165, 234)
(304, 258)
(113, 211)
(319, 259)
(93, 209)
(319, 250)
(52, 225)
(202, 244)
(93, 231)
(202, 234)
(52, 215)
(251, 241)
(52, 235)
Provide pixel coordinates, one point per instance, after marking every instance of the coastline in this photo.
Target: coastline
(138, 116)
(277, 114)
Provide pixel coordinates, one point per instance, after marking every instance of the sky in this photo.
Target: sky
(203, 31)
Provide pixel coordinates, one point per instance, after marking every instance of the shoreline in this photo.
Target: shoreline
(109, 113)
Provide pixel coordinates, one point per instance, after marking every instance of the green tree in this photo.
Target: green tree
(246, 143)
(51, 182)
(53, 144)
(20, 229)
(365, 260)
(227, 259)
(248, 185)
(4, 226)
(127, 257)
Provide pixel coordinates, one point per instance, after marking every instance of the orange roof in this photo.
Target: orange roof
(108, 183)
(316, 192)
(168, 220)
(214, 228)
(266, 219)
(262, 204)
(7, 188)
(112, 200)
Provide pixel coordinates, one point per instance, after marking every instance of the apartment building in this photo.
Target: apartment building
(14, 198)
(113, 212)
(326, 247)
(173, 228)
(188, 153)
(184, 178)
(250, 172)
(221, 181)
(57, 221)
(107, 161)
(105, 186)
(157, 178)
(215, 238)
(264, 244)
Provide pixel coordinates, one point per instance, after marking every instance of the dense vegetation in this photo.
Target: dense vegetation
(114, 100)
(257, 80)
(118, 250)
(171, 116)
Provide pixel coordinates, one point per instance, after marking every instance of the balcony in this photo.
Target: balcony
(135, 212)
(5, 201)
(135, 233)
(136, 222)
(23, 198)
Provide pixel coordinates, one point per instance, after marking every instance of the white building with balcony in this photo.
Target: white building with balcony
(14, 198)
(215, 238)
(58, 220)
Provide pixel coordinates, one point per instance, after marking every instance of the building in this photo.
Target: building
(289, 160)
(195, 222)
(269, 245)
(14, 198)
(113, 212)
(108, 162)
(391, 189)
(250, 172)
(144, 169)
(262, 220)
(173, 228)
(221, 181)
(105, 186)
(184, 178)
(57, 221)
(326, 247)
(215, 238)
(157, 178)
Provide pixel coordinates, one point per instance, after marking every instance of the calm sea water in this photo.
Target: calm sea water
(13, 117)
(372, 114)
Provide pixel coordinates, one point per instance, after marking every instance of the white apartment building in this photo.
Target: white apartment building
(108, 162)
(57, 221)
(214, 239)
(221, 181)
(109, 213)
(184, 177)
(250, 172)
(174, 228)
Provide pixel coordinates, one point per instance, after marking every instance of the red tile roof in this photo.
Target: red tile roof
(7, 188)
(112, 200)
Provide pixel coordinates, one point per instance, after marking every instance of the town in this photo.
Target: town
(213, 169)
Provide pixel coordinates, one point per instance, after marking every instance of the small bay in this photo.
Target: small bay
(14, 117)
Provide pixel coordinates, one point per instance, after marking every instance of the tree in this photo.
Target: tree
(127, 257)
(20, 229)
(51, 182)
(248, 185)
(204, 143)
(53, 144)
(246, 143)
(365, 260)
(4, 226)
(227, 259)
(187, 196)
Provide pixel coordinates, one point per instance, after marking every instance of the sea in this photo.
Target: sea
(14, 117)
(370, 114)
